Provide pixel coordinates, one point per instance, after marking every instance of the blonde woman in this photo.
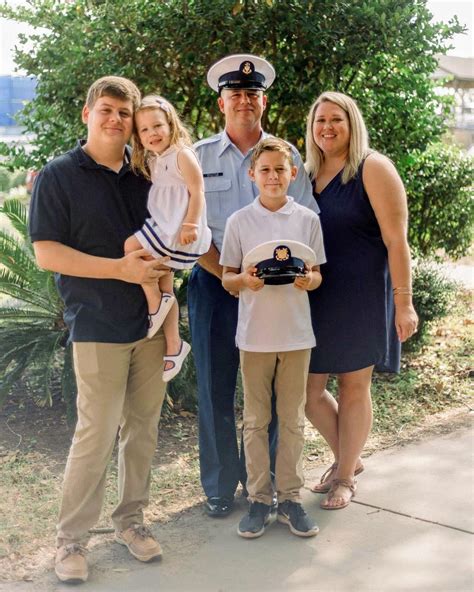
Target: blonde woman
(363, 310)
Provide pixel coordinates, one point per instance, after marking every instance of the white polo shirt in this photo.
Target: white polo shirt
(276, 318)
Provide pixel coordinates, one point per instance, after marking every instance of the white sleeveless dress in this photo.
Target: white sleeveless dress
(168, 203)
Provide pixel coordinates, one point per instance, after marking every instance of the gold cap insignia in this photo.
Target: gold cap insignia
(282, 253)
(247, 68)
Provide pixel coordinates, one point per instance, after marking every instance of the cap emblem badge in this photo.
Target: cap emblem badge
(247, 68)
(282, 253)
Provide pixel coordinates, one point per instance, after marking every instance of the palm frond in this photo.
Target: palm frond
(13, 365)
(32, 331)
(9, 238)
(11, 375)
(29, 352)
(21, 339)
(15, 257)
(26, 314)
(43, 354)
(16, 338)
(17, 287)
(16, 212)
(51, 292)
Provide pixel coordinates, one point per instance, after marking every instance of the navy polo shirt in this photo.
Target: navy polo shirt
(93, 209)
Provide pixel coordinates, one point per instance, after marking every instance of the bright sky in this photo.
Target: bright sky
(442, 10)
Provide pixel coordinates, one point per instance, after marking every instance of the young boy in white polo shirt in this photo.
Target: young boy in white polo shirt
(274, 335)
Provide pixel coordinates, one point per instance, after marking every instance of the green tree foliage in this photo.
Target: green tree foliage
(439, 184)
(380, 51)
(33, 336)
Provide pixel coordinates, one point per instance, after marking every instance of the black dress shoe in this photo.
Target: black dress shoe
(217, 507)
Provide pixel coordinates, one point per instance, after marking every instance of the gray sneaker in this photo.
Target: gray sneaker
(294, 515)
(253, 524)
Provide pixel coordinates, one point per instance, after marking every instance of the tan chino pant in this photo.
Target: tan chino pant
(289, 372)
(120, 388)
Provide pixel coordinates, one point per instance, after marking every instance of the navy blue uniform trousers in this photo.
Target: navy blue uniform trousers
(213, 322)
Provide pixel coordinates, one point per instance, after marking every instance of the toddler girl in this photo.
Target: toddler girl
(162, 152)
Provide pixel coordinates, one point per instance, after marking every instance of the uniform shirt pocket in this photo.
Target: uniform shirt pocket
(217, 192)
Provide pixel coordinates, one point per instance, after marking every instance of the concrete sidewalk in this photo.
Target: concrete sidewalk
(409, 529)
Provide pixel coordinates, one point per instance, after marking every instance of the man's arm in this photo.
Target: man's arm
(132, 268)
(210, 262)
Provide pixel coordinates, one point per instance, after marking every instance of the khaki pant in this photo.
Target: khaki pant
(120, 388)
(288, 372)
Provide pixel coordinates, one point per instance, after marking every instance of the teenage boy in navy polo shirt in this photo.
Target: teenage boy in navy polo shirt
(85, 204)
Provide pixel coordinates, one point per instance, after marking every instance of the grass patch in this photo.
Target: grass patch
(29, 500)
(434, 380)
(172, 488)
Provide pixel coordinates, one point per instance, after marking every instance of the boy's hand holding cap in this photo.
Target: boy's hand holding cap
(251, 280)
(310, 281)
(279, 262)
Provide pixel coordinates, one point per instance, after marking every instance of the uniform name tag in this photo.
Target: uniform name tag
(212, 174)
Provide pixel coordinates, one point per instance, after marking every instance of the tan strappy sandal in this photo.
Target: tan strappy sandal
(350, 484)
(324, 484)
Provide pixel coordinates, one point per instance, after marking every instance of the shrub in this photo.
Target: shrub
(183, 388)
(439, 188)
(4, 180)
(9, 179)
(33, 337)
(433, 298)
(18, 179)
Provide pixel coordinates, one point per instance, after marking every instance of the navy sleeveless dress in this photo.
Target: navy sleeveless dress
(352, 311)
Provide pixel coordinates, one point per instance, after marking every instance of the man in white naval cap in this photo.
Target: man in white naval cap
(240, 81)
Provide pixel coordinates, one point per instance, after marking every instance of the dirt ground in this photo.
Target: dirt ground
(34, 443)
(26, 427)
(42, 435)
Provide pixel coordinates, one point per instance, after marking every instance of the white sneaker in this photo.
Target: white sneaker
(156, 319)
(177, 361)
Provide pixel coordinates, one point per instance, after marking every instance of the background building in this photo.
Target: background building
(15, 91)
(458, 76)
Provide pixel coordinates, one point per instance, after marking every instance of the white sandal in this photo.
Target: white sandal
(177, 361)
(156, 319)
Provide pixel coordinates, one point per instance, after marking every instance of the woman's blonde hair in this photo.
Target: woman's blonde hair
(358, 138)
(179, 135)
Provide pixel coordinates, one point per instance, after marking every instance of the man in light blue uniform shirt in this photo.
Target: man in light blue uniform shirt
(240, 81)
